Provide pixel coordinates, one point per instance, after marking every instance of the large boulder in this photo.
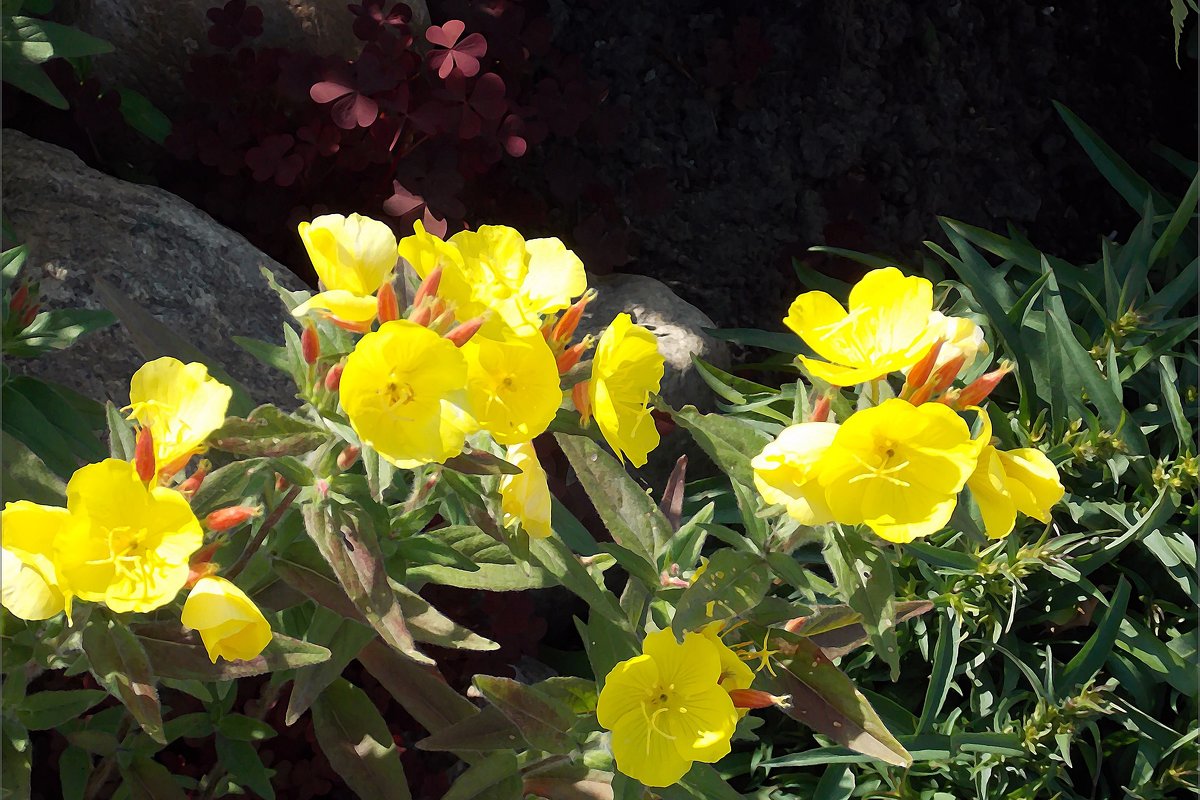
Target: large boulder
(199, 278)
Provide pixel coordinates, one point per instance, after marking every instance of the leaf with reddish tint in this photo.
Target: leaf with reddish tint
(422, 691)
(120, 664)
(824, 699)
(569, 782)
(370, 21)
(176, 652)
(838, 629)
(486, 731)
(462, 56)
(543, 722)
(233, 22)
(357, 742)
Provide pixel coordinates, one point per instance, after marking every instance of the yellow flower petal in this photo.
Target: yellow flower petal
(705, 731)
(525, 498)
(1032, 480)
(554, 278)
(785, 471)
(625, 689)
(355, 254)
(426, 252)
(988, 487)
(512, 384)
(29, 533)
(230, 625)
(341, 304)
(25, 592)
(180, 404)
(626, 370)
(643, 753)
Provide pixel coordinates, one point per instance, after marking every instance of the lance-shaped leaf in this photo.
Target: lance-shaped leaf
(228, 485)
(357, 742)
(559, 561)
(24, 476)
(542, 721)
(733, 583)
(728, 441)
(422, 691)
(632, 518)
(146, 779)
(824, 699)
(357, 564)
(486, 731)
(120, 663)
(268, 432)
(346, 641)
(864, 579)
(497, 777)
(480, 462)
(838, 629)
(569, 782)
(176, 652)
(45, 710)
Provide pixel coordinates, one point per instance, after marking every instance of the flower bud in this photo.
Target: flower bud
(310, 345)
(353, 327)
(143, 454)
(281, 482)
(348, 456)
(19, 298)
(755, 698)
(230, 625)
(944, 375)
(820, 412)
(224, 519)
(29, 315)
(570, 357)
(921, 370)
(795, 624)
(428, 287)
(189, 486)
(582, 401)
(387, 308)
(421, 314)
(463, 333)
(201, 564)
(333, 378)
(564, 329)
(979, 389)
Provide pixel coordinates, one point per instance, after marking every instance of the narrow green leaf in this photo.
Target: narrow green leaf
(1122, 177)
(141, 115)
(864, 578)
(728, 441)
(945, 659)
(486, 731)
(1091, 657)
(48, 709)
(496, 777)
(121, 665)
(74, 770)
(543, 722)
(175, 652)
(149, 780)
(733, 583)
(23, 476)
(357, 742)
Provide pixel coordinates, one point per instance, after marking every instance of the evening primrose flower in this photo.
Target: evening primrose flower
(666, 709)
(898, 468)
(960, 337)
(28, 577)
(181, 405)
(230, 625)
(786, 473)
(512, 384)
(885, 329)
(626, 370)
(353, 257)
(124, 544)
(525, 498)
(403, 392)
(1006, 482)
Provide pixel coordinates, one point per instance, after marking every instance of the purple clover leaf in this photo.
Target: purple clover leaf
(462, 56)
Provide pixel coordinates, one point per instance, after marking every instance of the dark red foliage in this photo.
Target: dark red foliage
(371, 22)
(455, 55)
(234, 22)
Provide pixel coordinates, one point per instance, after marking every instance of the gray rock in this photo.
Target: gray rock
(677, 323)
(173, 260)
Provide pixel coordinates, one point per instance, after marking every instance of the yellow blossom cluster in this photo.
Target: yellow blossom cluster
(125, 539)
(898, 466)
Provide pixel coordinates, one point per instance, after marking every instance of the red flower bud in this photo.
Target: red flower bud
(333, 378)
(463, 333)
(820, 412)
(794, 625)
(143, 454)
(944, 375)
(421, 314)
(353, 327)
(979, 389)
(387, 308)
(19, 298)
(428, 287)
(564, 329)
(582, 401)
(189, 486)
(347, 457)
(225, 518)
(30, 313)
(570, 357)
(755, 698)
(310, 345)
(201, 565)
(281, 482)
(921, 370)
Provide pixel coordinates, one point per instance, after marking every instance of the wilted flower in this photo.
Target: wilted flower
(403, 392)
(885, 329)
(786, 473)
(353, 257)
(512, 385)
(525, 498)
(898, 468)
(181, 405)
(666, 709)
(626, 369)
(230, 625)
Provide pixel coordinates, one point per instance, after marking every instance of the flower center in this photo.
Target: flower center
(657, 703)
(882, 464)
(400, 393)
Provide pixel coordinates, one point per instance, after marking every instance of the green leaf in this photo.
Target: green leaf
(74, 770)
(26, 422)
(556, 559)
(16, 765)
(175, 652)
(357, 742)
(149, 780)
(488, 730)
(244, 729)
(57, 329)
(1091, 657)
(23, 476)
(838, 629)
(40, 40)
(864, 578)
(824, 699)
(733, 583)
(569, 782)
(480, 462)
(32, 79)
(728, 441)
(788, 343)
(244, 765)
(1122, 177)
(945, 659)
(543, 722)
(496, 777)
(229, 484)
(606, 644)
(73, 416)
(268, 432)
(121, 665)
(45, 710)
(346, 642)
(141, 115)
(628, 512)
(422, 691)
(836, 784)
(122, 441)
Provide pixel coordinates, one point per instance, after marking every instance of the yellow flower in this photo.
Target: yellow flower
(512, 384)
(24, 591)
(785, 472)
(525, 498)
(495, 269)
(1004, 483)
(886, 328)
(181, 405)
(626, 369)
(898, 468)
(124, 545)
(230, 625)
(353, 257)
(735, 674)
(961, 336)
(28, 577)
(666, 709)
(403, 392)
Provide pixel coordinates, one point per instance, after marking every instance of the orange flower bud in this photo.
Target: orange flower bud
(582, 401)
(333, 378)
(820, 411)
(201, 565)
(921, 370)
(946, 373)
(347, 457)
(564, 329)
(387, 307)
(463, 333)
(570, 357)
(421, 314)
(794, 625)
(428, 287)
(922, 394)
(755, 698)
(225, 518)
(189, 486)
(310, 345)
(281, 482)
(979, 389)
(143, 454)
(353, 327)
(30, 313)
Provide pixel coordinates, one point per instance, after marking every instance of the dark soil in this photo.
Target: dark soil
(867, 119)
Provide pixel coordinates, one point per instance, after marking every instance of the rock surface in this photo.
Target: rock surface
(197, 277)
